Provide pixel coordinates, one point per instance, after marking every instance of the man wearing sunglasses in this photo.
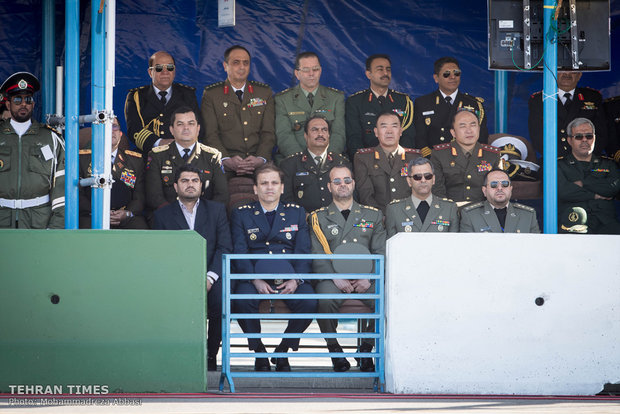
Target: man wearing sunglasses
(588, 181)
(433, 112)
(422, 212)
(148, 108)
(32, 162)
(497, 214)
(295, 105)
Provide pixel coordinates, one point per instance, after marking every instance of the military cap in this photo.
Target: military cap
(574, 220)
(20, 82)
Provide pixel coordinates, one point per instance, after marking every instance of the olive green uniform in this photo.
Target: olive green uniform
(293, 110)
(481, 218)
(377, 181)
(459, 176)
(32, 178)
(402, 216)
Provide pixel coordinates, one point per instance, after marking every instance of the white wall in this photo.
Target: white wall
(462, 318)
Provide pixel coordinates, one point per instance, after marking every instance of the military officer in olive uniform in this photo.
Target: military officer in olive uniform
(422, 212)
(588, 181)
(148, 108)
(127, 192)
(382, 171)
(32, 162)
(433, 112)
(344, 222)
(295, 105)
(163, 162)
(573, 103)
(460, 166)
(497, 214)
(362, 108)
(239, 116)
(306, 173)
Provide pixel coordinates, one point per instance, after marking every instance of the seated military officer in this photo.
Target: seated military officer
(148, 108)
(497, 214)
(127, 193)
(269, 226)
(460, 165)
(422, 212)
(306, 173)
(382, 171)
(163, 162)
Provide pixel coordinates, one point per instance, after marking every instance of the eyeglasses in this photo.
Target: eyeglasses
(580, 137)
(158, 68)
(418, 177)
(338, 181)
(456, 72)
(17, 100)
(495, 184)
(308, 70)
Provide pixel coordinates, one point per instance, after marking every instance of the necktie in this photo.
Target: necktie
(567, 99)
(422, 210)
(501, 216)
(311, 99)
(318, 160)
(270, 216)
(185, 154)
(163, 97)
(345, 214)
(381, 100)
(239, 94)
(449, 100)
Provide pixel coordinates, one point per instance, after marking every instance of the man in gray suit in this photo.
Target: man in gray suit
(423, 211)
(497, 214)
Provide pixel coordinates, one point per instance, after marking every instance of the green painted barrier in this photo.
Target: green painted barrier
(119, 311)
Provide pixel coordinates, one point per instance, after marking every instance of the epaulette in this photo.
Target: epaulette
(161, 148)
(53, 130)
(292, 205)
(335, 90)
(207, 148)
(259, 83)
(412, 150)
(535, 93)
(523, 207)
(293, 155)
(473, 206)
(187, 86)
(607, 158)
(369, 207)
(448, 199)
(85, 152)
(284, 91)
(561, 157)
(398, 92)
(489, 148)
(213, 85)
(318, 209)
(396, 201)
(441, 146)
(479, 99)
(132, 90)
(359, 92)
(612, 99)
(592, 89)
(133, 153)
(365, 150)
(244, 206)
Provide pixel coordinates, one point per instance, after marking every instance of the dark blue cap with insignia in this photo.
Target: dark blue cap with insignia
(20, 82)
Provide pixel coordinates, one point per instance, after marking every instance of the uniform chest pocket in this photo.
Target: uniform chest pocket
(5, 158)
(302, 180)
(37, 162)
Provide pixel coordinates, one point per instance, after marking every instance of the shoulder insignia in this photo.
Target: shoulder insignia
(359, 93)
(561, 157)
(489, 148)
(523, 207)
(412, 150)
(293, 155)
(139, 88)
(85, 152)
(396, 201)
(187, 86)
(133, 153)
(398, 92)
(161, 148)
(448, 199)
(591, 89)
(613, 99)
(53, 130)
(319, 209)
(244, 206)
(441, 146)
(209, 149)
(369, 207)
(334, 89)
(535, 94)
(214, 85)
(365, 150)
(473, 206)
(284, 91)
(292, 205)
(605, 157)
(253, 82)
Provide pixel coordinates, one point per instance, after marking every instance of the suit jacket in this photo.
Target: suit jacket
(402, 216)
(481, 218)
(361, 111)
(364, 226)
(293, 110)
(252, 234)
(239, 128)
(211, 223)
(432, 116)
(149, 120)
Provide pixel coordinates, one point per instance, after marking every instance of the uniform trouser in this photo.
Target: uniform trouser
(295, 306)
(333, 306)
(214, 313)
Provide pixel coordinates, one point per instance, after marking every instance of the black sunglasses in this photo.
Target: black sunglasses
(457, 73)
(158, 68)
(580, 137)
(338, 181)
(418, 177)
(495, 184)
(17, 100)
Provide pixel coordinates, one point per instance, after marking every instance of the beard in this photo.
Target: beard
(21, 116)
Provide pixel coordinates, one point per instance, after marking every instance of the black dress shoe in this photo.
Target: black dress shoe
(339, 364)
(366, 364)
(261, 364)
(282, 364)
(212, 363)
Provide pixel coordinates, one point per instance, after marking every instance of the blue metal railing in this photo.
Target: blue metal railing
(378, 315)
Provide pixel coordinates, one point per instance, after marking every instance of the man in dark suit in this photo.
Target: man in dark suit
(433, 112)
(148, 108)
(209, 219)
(270, 227)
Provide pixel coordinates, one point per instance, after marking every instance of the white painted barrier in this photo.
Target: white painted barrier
(462, 313)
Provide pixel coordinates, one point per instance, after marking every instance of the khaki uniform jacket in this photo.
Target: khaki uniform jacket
(329, 228)
(377, 183)
(293, 110)
(165, 160)
(459, 177)
(481, 218)
(32, 167)
(239, 128)
(402, 216)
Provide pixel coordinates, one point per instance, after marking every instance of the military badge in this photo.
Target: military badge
(167, 162)
(484, 166)
(300, 194)
(365, 224)
(256, 102)
(404, 171)
(225, 104)
(334, 231)
(166, 179)
(427, 121)
(128, 178)
(252, 236)
(22, 84)
(440, 228)
(256, 213)
(452, 164)
(288, 236)
(297, 126)
(408, 228)
(573, 217)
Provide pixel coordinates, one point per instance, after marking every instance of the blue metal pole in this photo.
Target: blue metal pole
(98, 104)
(72, 107)
(501, 101)
(48, 78)
(550, 120)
